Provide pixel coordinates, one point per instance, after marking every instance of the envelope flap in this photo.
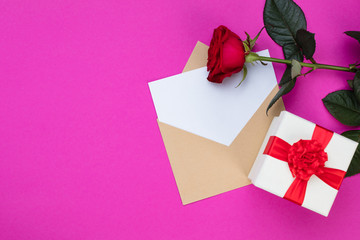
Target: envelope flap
(198, 57)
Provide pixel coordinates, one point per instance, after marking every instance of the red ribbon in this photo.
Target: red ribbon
(279, 149)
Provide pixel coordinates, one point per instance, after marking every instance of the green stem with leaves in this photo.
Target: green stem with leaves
(310, 65)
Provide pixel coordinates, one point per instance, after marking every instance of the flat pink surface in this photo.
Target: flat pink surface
(81, 156)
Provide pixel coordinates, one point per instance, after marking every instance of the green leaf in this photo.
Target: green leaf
(354, 167)
(344, 106)
(354, 34)
(244, 76)
(250, 43)
(286, 88)
(292, 51)
(306, 41)
(356, 85)
(351, 83)
(286, 76)
(282, 19)
(295, 69)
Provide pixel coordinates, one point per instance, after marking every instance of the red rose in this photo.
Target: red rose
(226, 55)
(305, 158)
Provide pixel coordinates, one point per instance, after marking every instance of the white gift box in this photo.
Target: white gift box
(274, 175)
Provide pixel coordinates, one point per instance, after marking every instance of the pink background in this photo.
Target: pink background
(81, 155)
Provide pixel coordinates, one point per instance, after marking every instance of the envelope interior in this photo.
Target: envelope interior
(205, 168)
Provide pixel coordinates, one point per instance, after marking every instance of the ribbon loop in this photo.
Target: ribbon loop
(332, 177)
(277, 148)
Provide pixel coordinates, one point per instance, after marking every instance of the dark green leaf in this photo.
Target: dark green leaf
(343, 106)
(351, 83)
(286, 76)
(292, 51)
(306, 41)
(282, 19)
(354, 34)
(352, 134)
(356, 85)
(354, 167)
(286, 88)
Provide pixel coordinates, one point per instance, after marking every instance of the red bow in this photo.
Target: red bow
(281, 150)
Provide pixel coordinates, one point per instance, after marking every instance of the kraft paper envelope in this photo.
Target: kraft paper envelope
(212, 158)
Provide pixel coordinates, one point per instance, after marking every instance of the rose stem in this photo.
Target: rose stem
(310, 65)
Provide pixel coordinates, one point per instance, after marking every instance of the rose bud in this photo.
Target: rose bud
(226, 55)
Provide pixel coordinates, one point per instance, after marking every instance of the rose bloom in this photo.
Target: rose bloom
(226, 55)
(305, 158)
